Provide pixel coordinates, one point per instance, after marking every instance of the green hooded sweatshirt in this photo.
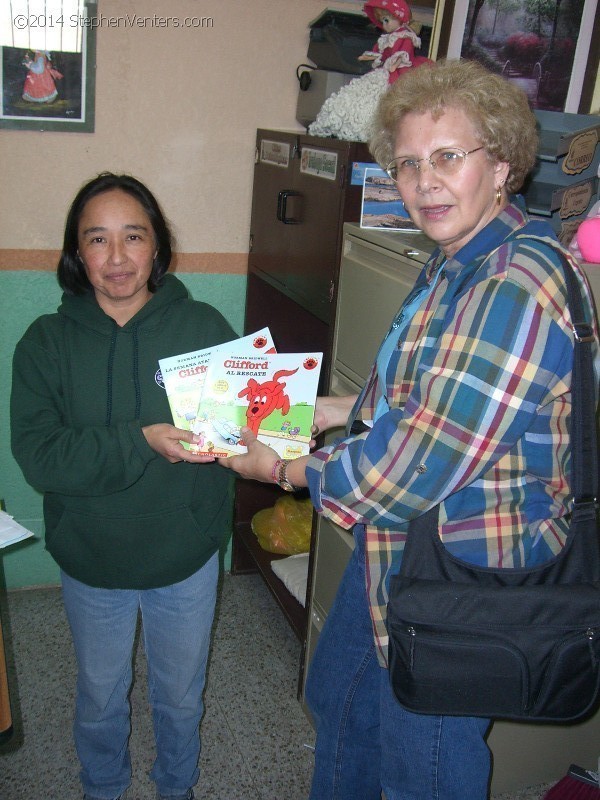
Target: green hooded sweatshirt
(117, 514)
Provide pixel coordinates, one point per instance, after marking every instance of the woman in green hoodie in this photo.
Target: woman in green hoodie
(134, 520)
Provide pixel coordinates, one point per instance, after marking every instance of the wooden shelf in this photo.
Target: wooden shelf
(291, 287)
(248, 556)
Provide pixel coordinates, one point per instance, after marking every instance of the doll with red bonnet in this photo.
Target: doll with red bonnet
(395, 48)
(347, 114)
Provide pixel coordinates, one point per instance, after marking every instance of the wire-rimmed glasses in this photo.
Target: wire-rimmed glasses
(446, 160)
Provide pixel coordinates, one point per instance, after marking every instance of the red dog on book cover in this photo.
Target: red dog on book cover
(264, 398)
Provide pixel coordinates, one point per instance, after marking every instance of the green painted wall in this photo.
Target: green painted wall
(24, 296)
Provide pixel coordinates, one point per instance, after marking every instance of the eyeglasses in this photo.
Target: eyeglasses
(447, 161)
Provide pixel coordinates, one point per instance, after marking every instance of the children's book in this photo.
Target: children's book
(272, 394)
(183, 377)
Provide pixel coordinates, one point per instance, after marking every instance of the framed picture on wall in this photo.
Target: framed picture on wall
(548, 47)
(49, 90)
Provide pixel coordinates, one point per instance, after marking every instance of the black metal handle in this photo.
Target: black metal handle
(282, 198)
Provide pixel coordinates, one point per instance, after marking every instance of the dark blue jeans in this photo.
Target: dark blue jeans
(366, 742)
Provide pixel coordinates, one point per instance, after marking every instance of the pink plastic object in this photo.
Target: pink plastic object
(588, 239)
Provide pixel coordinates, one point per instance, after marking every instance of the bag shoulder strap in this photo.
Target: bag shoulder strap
(584, 438)
(424, 555)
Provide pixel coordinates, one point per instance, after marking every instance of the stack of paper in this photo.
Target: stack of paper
(11, 531)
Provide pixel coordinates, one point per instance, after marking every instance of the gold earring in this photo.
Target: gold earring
(499, 195)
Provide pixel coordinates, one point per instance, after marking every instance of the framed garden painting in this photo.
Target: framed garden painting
(549, 47)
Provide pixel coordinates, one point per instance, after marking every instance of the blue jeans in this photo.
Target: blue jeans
(366, 742)
(177, 622)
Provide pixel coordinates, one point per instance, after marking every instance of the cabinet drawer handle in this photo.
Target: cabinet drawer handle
(282, 198)
(412, 253)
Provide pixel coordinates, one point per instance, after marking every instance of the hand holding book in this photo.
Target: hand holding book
(169, 442)
(213, 393)
(272, 395)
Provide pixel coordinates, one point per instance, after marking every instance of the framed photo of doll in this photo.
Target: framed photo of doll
(550, 49)
(45, 90)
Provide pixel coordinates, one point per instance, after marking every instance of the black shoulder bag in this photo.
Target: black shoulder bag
(520, 644)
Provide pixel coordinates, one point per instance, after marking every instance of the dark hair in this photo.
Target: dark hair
(71, 273)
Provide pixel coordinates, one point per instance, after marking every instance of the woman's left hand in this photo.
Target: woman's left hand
(166, 440)
(257, 463)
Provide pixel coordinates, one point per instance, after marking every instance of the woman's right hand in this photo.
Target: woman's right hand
(166, 440)
(331, 412)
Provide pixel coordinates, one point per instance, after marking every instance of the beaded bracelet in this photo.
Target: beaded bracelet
(275, 470)
(279, 475)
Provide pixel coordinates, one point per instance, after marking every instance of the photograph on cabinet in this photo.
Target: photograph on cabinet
(382, 207)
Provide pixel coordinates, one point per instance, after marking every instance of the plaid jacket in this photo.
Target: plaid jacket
(479, 397)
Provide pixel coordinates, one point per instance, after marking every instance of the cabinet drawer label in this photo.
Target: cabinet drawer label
(320, 163)
(576, 199)
(277, 153)
(581, 153)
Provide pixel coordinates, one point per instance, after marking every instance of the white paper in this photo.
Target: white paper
(11, 531)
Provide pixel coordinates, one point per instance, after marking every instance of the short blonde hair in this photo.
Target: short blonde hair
(499, 111)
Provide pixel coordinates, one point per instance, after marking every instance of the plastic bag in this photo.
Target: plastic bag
(286, 527)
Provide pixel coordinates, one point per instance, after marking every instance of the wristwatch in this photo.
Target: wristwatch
(280, 475)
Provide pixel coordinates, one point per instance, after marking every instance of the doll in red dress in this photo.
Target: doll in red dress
(395, 48)
(39, 84)
(347, 114)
